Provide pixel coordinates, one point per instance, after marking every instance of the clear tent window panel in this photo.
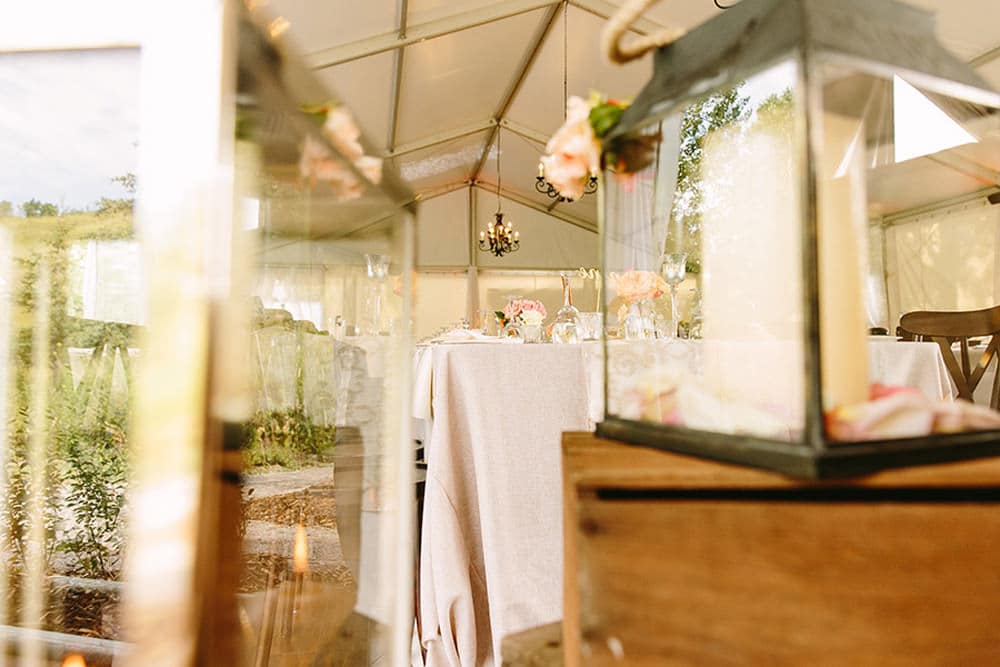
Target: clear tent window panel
(71, 328)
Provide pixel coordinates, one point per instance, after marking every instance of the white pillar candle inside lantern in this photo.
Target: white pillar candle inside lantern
(841, 232)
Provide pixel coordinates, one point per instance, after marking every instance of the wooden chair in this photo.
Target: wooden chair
(947, 327)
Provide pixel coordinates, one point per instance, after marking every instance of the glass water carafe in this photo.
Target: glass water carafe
(566, 326)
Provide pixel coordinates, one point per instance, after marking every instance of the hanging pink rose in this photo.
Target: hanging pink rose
(574, 153)
(577, 109)
(341, 131)
(317, 163)
(371, 167)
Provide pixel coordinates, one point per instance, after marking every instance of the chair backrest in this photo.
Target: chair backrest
(948, 327)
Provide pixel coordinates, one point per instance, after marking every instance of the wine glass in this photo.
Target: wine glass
(674, 270)
(694, 331)
(565, 327)
(377, 270)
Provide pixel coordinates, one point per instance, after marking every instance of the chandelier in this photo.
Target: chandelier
(546, 188)
(542, 185)
(499, 237)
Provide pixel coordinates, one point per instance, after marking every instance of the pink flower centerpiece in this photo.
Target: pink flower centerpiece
(522, 311)
(635, 286)
(515, 309)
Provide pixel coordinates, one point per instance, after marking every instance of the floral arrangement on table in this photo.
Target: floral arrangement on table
(397, 284)
(532, 318)
(522, 311)
(573, 154)
(317, 163)
(634, 287)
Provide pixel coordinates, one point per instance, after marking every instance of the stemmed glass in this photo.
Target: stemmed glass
(566, 326)
(377, 269)
(674, 270)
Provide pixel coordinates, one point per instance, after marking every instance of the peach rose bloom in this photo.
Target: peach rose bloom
(316, 163)
(371, 167)
(573, 151)
(635, 286)
(341, 131)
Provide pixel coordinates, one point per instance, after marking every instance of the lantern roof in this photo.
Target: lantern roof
(881, 36)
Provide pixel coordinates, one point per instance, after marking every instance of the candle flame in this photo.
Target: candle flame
(300, 551)
(74, 660)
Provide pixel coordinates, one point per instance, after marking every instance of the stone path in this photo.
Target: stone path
(266, 484)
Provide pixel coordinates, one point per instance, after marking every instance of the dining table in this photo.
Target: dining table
(491, 537)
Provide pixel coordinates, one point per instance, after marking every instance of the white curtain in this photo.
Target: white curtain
(944, 261)
(640, 208)
(876, 299)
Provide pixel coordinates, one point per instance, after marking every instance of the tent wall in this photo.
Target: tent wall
(944, 260)
(448, 291)
(546, 242)
(443, 296)
(443, 230)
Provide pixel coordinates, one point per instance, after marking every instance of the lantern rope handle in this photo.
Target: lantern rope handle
(619, 24)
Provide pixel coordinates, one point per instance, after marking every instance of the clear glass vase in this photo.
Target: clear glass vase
(566, 325)
(635, 328)
(530, 333)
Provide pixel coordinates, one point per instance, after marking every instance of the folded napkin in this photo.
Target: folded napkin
(464, 336)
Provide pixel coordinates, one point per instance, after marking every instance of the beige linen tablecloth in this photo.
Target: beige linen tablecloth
(910, 364)
(491, 554)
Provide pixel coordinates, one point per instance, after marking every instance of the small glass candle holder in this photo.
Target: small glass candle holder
(590, 326)
(530, 333)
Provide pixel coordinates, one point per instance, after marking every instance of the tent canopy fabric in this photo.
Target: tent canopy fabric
(432, 82)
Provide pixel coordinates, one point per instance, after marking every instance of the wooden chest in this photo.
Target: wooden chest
(677, 561)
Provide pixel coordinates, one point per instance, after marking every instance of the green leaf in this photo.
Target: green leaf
(605, 116)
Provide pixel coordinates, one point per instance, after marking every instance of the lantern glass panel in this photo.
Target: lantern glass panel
(800, 232)
(905, 164)
(704, 266)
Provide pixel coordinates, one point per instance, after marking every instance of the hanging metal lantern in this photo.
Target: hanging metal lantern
(746, 180)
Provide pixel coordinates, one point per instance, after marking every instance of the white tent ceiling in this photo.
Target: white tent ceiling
(433, 81)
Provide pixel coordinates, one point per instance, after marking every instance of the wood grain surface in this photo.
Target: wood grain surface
(776, 578)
